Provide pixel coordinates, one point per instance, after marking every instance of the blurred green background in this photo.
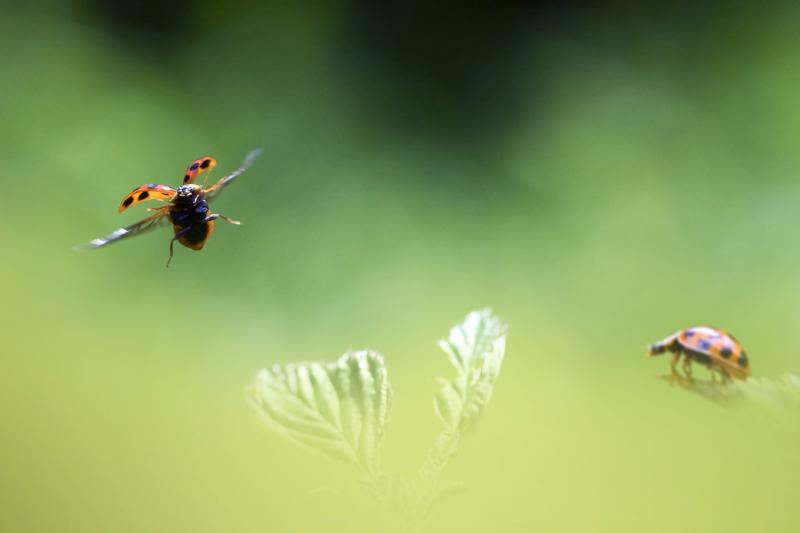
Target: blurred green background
(600, 174)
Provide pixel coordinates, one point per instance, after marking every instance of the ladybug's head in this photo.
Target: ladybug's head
(656, 349)
(187, 194)
(670, 344)
(186, 191)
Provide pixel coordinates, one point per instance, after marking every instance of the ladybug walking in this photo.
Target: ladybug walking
(715, 349)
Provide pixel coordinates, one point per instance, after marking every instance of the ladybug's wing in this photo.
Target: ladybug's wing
(726, 349)
(143, 226)
(198, 167)
(214, 191)
(151, 191)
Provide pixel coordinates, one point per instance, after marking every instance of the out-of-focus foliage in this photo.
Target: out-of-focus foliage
(476, 349)
(777, 398)
(340, 409)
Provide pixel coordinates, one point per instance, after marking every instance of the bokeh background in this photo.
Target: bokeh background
(601, 174)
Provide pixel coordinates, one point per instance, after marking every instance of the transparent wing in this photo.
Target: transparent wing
(143, 226)
(214, 191)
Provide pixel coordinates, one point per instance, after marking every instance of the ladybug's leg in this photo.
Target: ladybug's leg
(215, 216)
(177, 236)
(171, 251)
(675, 358)
(687, 366)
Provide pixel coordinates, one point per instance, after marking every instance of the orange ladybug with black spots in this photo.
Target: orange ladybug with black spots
(715, 349)
(186, 207)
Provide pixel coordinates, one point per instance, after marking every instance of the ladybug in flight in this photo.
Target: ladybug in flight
(717, 350)
(186, 207)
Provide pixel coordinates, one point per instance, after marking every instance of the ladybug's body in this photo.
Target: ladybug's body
(717, 350)
(189, 216)
(186, 207)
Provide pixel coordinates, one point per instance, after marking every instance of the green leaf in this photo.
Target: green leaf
(337, 409)
(475, 348)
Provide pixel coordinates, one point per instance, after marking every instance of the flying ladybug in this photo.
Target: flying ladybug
(186, 207)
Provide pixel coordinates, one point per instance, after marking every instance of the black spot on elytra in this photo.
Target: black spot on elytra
(194, 166)
(205, 163)
(742, 360)
(726, 351)
(128, 201)
(689, 334)
(144, 195)
(186, 178)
